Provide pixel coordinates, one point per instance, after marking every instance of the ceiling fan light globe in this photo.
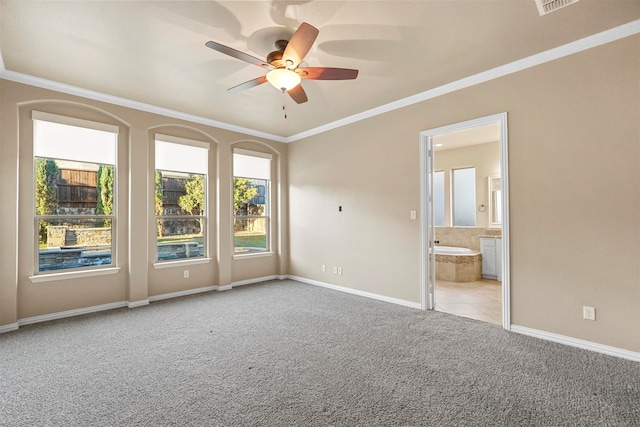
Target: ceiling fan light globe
(283, 79)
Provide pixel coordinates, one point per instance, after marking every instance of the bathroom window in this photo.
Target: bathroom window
(251, 201)
(464, 197)
(181, 167)
(74, 193)
(438, 197)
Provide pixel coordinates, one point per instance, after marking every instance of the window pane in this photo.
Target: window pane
(180, 238)
(180, 197)
(464, 197)
(250, 197)
(181, 157)
(250, 235)
(438, 197)
(74, 243)
(179, 193)
(63, 141)
(249, 166)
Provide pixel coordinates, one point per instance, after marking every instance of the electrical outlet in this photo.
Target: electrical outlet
(324, 268)
(186, 274)
(589, 313)
(339, 270)
(335, 270)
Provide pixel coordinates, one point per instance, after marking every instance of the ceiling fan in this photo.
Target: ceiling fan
(285, 73)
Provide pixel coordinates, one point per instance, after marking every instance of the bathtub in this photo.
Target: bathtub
(453, 250)
(455, 264)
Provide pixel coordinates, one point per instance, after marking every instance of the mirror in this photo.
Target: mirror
(495, 202)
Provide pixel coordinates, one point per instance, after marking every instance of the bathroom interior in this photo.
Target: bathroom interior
(467, 186)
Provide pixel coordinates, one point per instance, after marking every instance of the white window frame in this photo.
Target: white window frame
(204, 169)
(52, 275)
(268, 208)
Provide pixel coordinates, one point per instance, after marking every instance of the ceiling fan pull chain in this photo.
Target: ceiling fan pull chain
(284, 104)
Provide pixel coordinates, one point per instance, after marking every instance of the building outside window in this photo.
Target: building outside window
(75, 193)
(180, 207)
(251, 201)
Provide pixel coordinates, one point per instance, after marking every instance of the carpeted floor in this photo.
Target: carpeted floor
(284, 353)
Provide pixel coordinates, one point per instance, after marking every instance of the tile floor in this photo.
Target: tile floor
(481, 300)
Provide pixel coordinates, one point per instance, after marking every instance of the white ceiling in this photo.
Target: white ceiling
(153, 52)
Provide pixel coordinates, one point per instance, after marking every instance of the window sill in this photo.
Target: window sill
(52, 277)
(181, 263)
(253, 255)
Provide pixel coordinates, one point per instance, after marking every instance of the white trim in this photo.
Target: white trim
(580, 45)
(52, 277)
(71, 313)
(356, 292)
(575, 342)
(252, 153)
(209, 288)
(170, 295)
(9, 327)
(184, 141)
(500, 119)
(505, 240)
(140, 303)
(253, 255)
(252, 281)
(73, 121)
(136, 105)
(181, 263)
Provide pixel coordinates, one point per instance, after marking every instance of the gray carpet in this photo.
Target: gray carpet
(284, 353)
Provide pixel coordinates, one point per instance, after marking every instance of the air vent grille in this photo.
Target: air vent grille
(548, 6)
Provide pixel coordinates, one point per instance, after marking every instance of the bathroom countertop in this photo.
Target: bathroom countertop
(489, 236)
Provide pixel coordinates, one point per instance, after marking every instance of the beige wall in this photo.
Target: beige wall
(485, 158)
(574, 157)
(574, 171)
(138, 279)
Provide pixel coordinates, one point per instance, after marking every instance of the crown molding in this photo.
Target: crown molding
(580, 45)
(129, 103)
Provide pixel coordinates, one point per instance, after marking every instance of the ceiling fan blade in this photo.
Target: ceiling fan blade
(299, 45)
(328, 73)
(248, 84)
(237, 54)
(298, 94)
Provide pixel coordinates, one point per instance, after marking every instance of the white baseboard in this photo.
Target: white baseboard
(8, 328)
(575, 342)
(256, 280)
(183, 293)
(562, 339)
(140, 303)
(131, 304)
(356, 292)
(71, 313)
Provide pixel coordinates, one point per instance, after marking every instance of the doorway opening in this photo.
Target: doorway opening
(464, 219)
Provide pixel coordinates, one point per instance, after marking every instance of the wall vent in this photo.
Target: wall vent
(548, 6)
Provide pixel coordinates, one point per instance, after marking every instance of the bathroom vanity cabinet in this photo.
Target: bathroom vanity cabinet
(491, 249)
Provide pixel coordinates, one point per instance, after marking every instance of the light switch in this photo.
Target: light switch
(412, 214)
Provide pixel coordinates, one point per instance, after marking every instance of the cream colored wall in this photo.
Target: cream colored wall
(485, 158)
(574, 157)
(574, 153)
(137, 280)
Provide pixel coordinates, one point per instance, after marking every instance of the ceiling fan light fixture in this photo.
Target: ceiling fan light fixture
(283, 79)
